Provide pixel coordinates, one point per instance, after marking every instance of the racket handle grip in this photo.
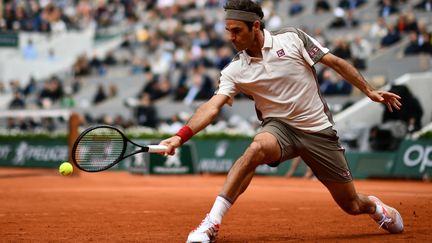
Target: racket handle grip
(157, 148)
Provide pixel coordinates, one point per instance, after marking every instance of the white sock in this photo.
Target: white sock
(220, 207)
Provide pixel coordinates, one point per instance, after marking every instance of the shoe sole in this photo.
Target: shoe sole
(212, 241)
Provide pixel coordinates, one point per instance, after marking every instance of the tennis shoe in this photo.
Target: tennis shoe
(206, 232)
(390, 220)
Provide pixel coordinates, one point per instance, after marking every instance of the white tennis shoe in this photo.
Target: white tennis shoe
(391, 220)
(206, 232)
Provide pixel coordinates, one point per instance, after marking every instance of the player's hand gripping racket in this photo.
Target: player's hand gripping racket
(101, 147)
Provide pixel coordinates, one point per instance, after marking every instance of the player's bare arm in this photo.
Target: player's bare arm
(352, 75)
(202, 117)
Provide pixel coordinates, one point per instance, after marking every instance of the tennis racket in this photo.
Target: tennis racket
(100, 147)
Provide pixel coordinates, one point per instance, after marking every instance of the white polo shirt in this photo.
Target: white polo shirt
(283, 83)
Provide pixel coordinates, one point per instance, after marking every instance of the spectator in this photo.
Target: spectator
(110, 59)
(350, 20)
(338, 21)
(411, 113)
(342, 49)
(51, 57)
(361, 51)
(81, 67)
(96, 63)
(410, 23)
(413, 46)
(181, 88)
(15, 86)
(425, 5)
(201, 87)
(387, 8)
(159, 86)
(342, 21)
(146, 113)
(332, 85)
(51, 93)
(139, 65)
(296, 7)
(53, 15)
(399, 123)
(392, 37)
(30, 87)
(321, 6)
(17, 102)
(378, 29)
(76, 85)
(100, 95)
(350, 4)
(29, 51)
(223, 57)
(20, 18)
(426, 46)
(113, 90)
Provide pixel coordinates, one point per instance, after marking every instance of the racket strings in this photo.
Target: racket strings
(99, 149)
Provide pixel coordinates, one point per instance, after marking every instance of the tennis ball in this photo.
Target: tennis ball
(66, 169)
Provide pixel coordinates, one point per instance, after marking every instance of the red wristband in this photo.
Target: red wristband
(185, 133)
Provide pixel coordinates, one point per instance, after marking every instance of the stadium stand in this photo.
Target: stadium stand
(127, 48)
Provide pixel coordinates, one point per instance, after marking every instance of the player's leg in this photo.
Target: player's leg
(309, 173)
(263, 149)
(325, 156)
(294, 165)
(348, 199)
(354, 203)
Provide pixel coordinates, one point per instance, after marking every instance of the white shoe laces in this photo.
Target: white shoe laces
(384, 220)
(204, 225)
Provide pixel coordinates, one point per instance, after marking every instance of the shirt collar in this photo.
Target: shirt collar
(268, 40)
(268, 43)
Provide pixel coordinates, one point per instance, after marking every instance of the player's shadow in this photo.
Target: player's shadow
(5, 176)
(358, 236)
(340, 238)
(255, 239)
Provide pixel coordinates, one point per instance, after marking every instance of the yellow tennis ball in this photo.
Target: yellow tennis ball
(66, 169)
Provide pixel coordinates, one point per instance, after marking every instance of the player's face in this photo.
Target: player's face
(239, 34)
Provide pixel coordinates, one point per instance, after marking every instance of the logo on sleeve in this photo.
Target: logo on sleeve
(280, 53)
(313, 51)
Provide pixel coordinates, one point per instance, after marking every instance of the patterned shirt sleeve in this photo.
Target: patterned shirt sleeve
(310, 48)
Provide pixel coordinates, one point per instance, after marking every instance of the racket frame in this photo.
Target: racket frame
(120, 157)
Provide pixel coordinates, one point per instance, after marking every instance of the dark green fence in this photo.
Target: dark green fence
(9, 39)
(207, 155)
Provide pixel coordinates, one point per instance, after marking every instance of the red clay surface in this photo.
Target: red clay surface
(42, 206)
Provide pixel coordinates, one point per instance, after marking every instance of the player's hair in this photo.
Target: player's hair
(248, 6)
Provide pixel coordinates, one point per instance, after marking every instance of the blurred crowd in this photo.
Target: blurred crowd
(179, 47)
(61, 15)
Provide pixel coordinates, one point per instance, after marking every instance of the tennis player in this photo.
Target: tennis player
(277, 71)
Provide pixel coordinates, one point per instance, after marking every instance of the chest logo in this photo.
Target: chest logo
(280, 53)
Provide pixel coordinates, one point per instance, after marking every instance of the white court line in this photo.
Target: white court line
(380, 192)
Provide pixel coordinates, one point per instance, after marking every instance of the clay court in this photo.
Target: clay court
(41, 206)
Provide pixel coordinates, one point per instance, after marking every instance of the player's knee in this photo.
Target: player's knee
(255, 152)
